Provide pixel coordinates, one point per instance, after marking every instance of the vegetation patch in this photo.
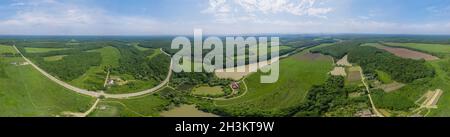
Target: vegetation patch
(7, 49)
(393, 86)
(274, 99)
(149, 105)
(354, 74)
(26, 92)
(338, 71)
(406, 53)
(43, 50)
(383, 77)
(94, 78)
(54, 58)
(208, 91)
(186, 111)
(331, 99)
(432, 48)
(402, 70)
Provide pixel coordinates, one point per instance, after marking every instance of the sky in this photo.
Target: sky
(181, 17)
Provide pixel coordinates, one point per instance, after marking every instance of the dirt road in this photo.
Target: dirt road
(363, 78)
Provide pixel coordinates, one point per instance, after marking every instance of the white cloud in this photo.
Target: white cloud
(230, 17)
(52, 17)
(232, 11)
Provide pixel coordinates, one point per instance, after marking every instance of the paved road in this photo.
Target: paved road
(98, 94)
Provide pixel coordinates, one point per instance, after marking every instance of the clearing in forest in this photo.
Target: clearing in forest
(354, 74)
(344, 62)
(207, 90)
(391, 87)
(338, 71)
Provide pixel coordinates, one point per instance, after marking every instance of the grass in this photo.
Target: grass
(353, 76)
(206, 90)
(186, 111)
(434, 48)
(405, 97)
(95, 77)
(42, 50)
(296, 78)
(155, 53)
(6, 49)
(131, 86)
(149, 105)
(442, 81)
(384, 77)
(139, 47)
(26, 92)
(54, 58)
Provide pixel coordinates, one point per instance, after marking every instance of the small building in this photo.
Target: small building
(110, 82)
(235, 85)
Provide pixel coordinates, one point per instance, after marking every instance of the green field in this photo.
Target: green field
(139, 47)
(42, 50)
(26, 92)
(54, 58)
(206, 90)
(296, 78)
(442, 81)
(186, 111)
(403, 99)
(95, 77)
(6, 49)
(384, 77)
(433, 48)
(145, 106)
(155, 53)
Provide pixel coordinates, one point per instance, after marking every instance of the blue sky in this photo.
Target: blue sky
(180, 17)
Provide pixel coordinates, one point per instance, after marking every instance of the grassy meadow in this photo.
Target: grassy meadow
(24, 91)
(296, 78)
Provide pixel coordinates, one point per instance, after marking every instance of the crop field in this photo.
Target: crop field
(43, 50)
(6, 49)
(354, 75)
(433, 48)
(145, 106)
(26, 92)
(406, 53)
(296, 77)
(54, 58)
(206, 90)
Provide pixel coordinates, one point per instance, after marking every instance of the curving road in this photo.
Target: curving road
(99, 94)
